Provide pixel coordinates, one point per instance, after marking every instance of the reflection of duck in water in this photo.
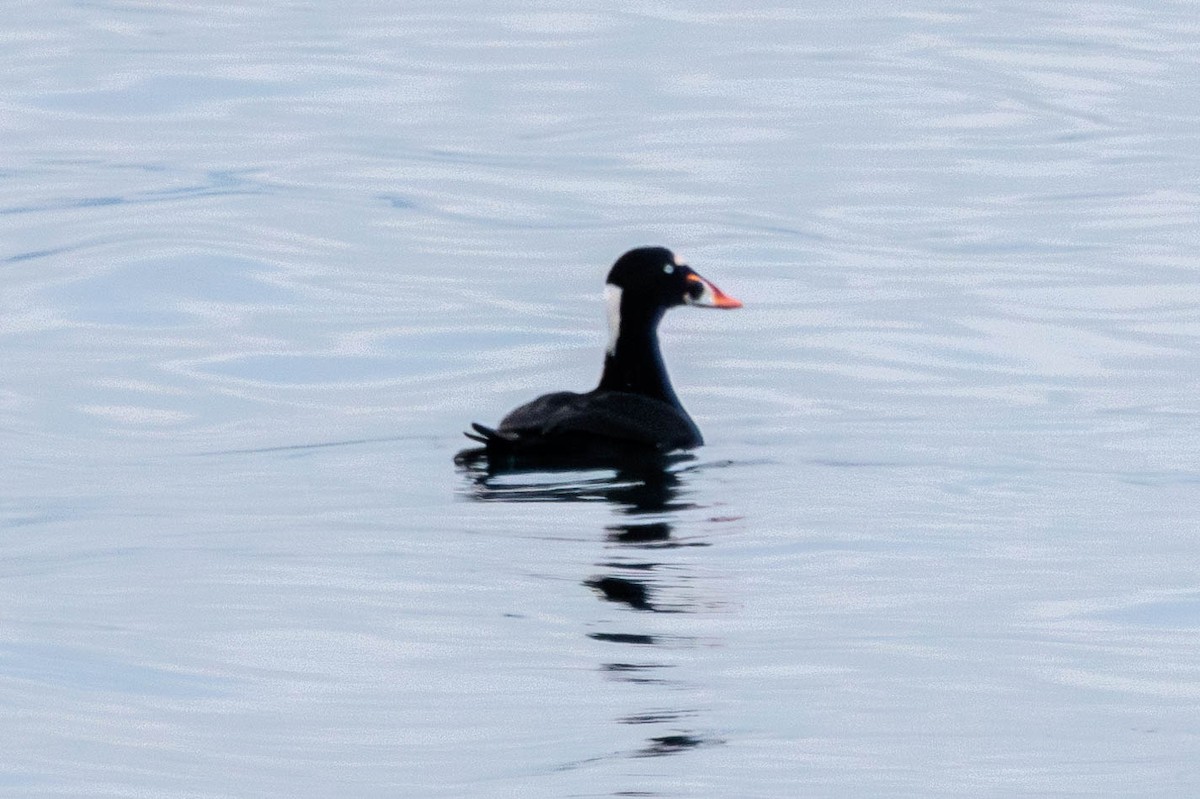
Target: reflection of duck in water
(633, 413)
(646, 488)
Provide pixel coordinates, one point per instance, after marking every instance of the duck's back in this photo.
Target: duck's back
(618, 419)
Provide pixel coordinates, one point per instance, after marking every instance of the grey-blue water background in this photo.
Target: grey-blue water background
(262, 263)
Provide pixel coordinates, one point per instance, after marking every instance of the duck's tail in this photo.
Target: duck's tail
(485, 435)
(495, 444)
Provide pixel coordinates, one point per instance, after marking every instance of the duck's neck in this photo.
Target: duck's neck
(634, 362)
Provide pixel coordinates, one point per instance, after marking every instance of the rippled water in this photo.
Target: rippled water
(263, 262)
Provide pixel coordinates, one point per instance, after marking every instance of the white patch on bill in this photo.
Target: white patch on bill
(612, 301)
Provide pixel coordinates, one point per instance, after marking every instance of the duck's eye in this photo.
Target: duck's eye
(669, 268)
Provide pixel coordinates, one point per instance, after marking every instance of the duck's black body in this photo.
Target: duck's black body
(633, 412)
(598, 425)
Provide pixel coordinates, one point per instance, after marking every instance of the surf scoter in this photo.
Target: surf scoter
(633, 411)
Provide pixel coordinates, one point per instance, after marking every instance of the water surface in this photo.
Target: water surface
(263, 263)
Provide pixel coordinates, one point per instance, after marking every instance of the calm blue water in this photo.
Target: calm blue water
(263, 262)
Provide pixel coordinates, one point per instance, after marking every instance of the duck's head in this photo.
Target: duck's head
(641, 286)
(654, 278)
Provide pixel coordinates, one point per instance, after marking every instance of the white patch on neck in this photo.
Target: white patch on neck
(612, 301)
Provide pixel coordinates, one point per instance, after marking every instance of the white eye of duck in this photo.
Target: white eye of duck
(669, 268)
